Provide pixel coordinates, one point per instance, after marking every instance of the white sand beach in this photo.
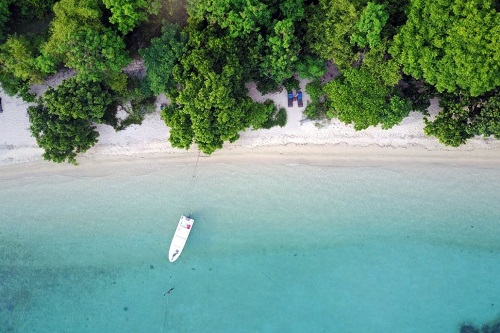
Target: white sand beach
(299, 140)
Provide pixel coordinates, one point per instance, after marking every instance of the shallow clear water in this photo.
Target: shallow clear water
(274, 248)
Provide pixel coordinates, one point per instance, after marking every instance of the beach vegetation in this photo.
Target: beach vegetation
(310, 67)
(268, 115)
(181, 129)
(358, 97)
(61, 138)
(4, 19)
(222, 53)
(80, 40)
(369, 26)
(463, 117)
(70, 18)
(317, 107)
(63, 121)
(451, 44)
(211, 94)
(28, 10)
(127, 14)
(162, 55)
(19, 58)
(23, 28)
(268, 85)
(486, 118)
(418, 92)
(15, 15)
(392, 57)
(291, 84)
(137, 101)
(21, 65)
(330, 26)
(354, 37)
(95, 54)
(78, 99)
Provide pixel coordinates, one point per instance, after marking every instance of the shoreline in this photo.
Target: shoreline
(341, 155)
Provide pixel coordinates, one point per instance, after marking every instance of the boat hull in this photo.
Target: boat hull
(180, 238)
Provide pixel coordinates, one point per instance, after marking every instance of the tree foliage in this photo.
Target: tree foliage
(385, 69)
(62, 123)
(282, 51)
(28, 10)
(240, 17)
(265, 31)
(18, 58)
(61, 138)
(486, 119)
(359, 98)
(317, 107)
(93, 53)
(310, 67)
(210, 102)
(80, 40)
(21, 65)
(4, 19)
(452, 44)
(450, 125)
(78, 99)
(160, 58)
(127, 14)
(463, 117)
(448, 45)
(370, 24)
(208, 74)
(224, 51)
(71, 17)
(330, 25)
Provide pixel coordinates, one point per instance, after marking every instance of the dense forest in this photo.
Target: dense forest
(392, 57)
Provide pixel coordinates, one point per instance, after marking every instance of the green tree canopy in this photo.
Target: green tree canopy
(452, 44)
(370, 24)
(450, 125)
(93, 53)
(62, 139)
(21, 65)
(71, 16)
(76, 99)
(240, 17)
(62, 123)
(385, 69)
(359, 98)
(18, 58)
(211, 93)
(127, 14)
(210, 103)
(310, 67)
(160, 58)
(28, 10)
(265, 33)
(282, 51)
(486, 119)
(4, 19)
(463, 117)
(330, 25)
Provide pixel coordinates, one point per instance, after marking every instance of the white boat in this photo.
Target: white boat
(180, 237)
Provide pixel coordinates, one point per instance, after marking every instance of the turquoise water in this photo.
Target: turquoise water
(275, 248)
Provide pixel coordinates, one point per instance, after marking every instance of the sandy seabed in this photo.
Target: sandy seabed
(300, 141)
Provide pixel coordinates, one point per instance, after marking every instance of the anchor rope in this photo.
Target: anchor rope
(193, 178)
(196, 165)
(165, 319)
